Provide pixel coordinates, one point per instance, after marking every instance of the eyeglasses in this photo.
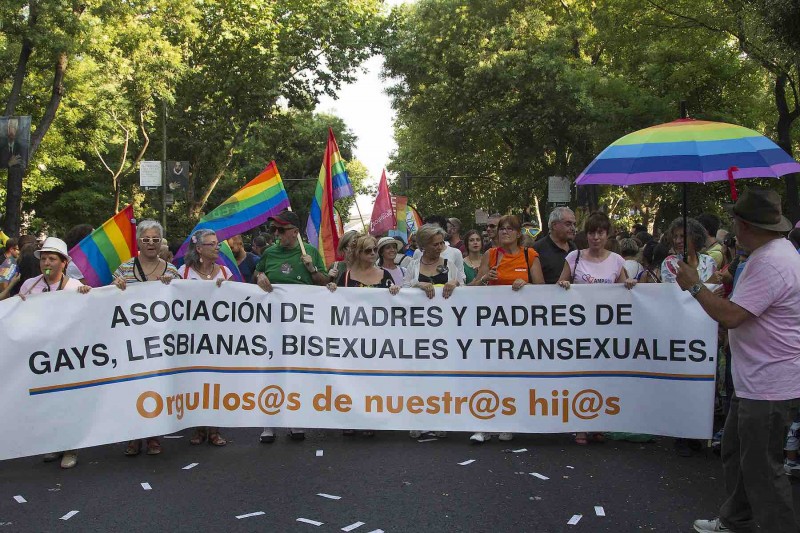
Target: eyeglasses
(506, 229)
(150, 240)
(568, 224)
(491, 226)
(211, 244)
(369, 251)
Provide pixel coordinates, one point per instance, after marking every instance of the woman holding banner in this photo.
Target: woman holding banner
(147, 266)
(364, 274)
(53, 260)
(200, 264)
(591, 265)
(430, 270)
(507, 264)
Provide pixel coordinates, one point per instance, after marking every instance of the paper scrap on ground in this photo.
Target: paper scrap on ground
(329, 496)
(190, 466)
(520, 450)
(427, 440)
(599, 511)
(146, 486)
(173, 436)
(319, 453)
(540, 476)
(20, 499)
(351, 527)
(376, 531)
(465, 463)
(571, 467)
(308, 521)
(574, 520)
(68, 515)
(248, 515)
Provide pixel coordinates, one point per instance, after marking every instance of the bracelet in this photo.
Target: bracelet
(484, 281)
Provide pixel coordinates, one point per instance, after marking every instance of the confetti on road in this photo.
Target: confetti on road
(427, 440)
(329, 496)
(173, 436)
(376, 531)
(520, 450)
(319, 453)
(351, 527)
(571, 467)
(599, 511)
(68, 515)
(248, 515)
(190, 466)
(574, 520)
(308, 521)
(146, 486)
(465, 463)
(540, 476)
(20, 499)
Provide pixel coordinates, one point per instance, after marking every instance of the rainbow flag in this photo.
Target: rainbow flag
(332, 184)
(102, 251)
(251, 206)
(227, 258)
(413, 220)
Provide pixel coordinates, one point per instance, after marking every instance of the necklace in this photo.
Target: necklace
(158, 263)
(203, 274)
(422, 260)
(471, 265)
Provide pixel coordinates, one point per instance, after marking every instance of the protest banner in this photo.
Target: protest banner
(108, 366)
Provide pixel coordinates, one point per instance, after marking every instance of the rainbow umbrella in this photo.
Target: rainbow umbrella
(688, 151)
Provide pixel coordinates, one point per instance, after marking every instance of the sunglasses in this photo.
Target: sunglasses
(369, 251)
(282, 230)
(151, 240)
(491, 226)
(533, 232)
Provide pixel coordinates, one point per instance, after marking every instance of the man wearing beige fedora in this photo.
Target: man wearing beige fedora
(763, 319)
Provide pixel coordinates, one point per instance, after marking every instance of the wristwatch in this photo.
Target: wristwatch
(695, 289)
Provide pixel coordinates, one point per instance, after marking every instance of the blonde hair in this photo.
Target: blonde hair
(428, 232)
(357, 245)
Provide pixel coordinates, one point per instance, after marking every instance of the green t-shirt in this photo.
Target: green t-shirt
(283, 265)
(469, 272)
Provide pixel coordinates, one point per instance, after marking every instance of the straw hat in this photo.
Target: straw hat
(55, 245)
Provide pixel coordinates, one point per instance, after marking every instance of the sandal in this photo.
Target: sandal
(134, 448)
(199, 437)
(581, 440)
(153, 446)
(215, 439)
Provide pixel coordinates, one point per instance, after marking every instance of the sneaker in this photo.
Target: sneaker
(505, 436)
(709, 526)
(716, 442)
(682, 449)
(70, 459)
(50, 457)
(267, 436)
(479, 437)
(792, 468)
(297, 434)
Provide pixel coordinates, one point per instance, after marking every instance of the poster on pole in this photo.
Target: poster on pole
(15, 141)
(150, 174)
(559, 190)
(177, 175)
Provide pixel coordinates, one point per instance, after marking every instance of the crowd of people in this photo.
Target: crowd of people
(509, 252)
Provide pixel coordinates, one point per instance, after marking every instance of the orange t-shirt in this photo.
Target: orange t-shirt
(511, 267)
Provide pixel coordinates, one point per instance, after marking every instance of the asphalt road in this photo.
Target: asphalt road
(390, 483)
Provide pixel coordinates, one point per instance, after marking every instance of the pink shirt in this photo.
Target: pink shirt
(37, 285)
(766, 349)
(606, 271)
(222, 272)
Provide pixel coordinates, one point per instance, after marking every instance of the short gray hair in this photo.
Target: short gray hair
(557, 215)
(428, 232)
(144, 225)
(192, 257)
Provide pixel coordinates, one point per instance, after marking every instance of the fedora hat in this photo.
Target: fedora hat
(760, 208)
(55, 245)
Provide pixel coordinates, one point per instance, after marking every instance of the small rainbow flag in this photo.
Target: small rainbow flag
(263, 196)
(102, 251)
(332, 184)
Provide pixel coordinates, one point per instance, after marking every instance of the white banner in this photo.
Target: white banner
(108, 366)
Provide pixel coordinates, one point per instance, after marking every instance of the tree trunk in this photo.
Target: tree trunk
(784, 129)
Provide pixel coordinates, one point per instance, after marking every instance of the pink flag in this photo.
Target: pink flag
(383, 217)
